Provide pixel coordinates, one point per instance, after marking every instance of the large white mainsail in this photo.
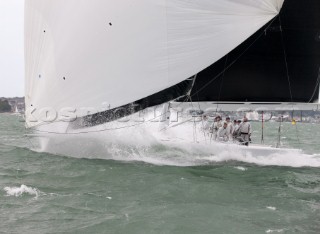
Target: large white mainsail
(82, 53)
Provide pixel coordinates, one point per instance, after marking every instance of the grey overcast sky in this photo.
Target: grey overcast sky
(11, 48)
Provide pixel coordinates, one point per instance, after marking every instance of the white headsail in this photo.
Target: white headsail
(82, 53)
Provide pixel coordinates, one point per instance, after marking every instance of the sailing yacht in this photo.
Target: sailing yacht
(91, 65)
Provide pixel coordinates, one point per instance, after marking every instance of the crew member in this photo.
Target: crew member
(223, 134)
(245, 131)
(216, 126)
(206, 124)
(236, 132)
(234, 123)
(230, 128)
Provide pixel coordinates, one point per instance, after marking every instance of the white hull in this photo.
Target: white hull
(151, 142)
(260, 150)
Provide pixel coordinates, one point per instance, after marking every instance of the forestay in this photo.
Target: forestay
(82, 53)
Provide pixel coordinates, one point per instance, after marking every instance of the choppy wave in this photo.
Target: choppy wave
(23, 189)
(304, 183)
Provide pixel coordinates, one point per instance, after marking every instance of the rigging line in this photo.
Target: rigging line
(167, 40)
(288, 75)
(262, 129)
(32, 146)
(297, 133)
(222, 81)
(296, 127)
(202, 120)
(279, 133)
(182, 102)
(316, 88)
(193, 82)
(234, 61)
(187, 97)
(194, 121)
(285, 58)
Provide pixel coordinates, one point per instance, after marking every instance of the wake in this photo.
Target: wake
(177, 146)
(167, 152)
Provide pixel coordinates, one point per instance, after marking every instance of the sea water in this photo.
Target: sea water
(160, 187)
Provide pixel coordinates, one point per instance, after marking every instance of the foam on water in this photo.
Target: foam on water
(174, 147)
(273, 159)
(175, 154)
(275, 231)
(241, 168)
(23, 189)
(271, 208)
